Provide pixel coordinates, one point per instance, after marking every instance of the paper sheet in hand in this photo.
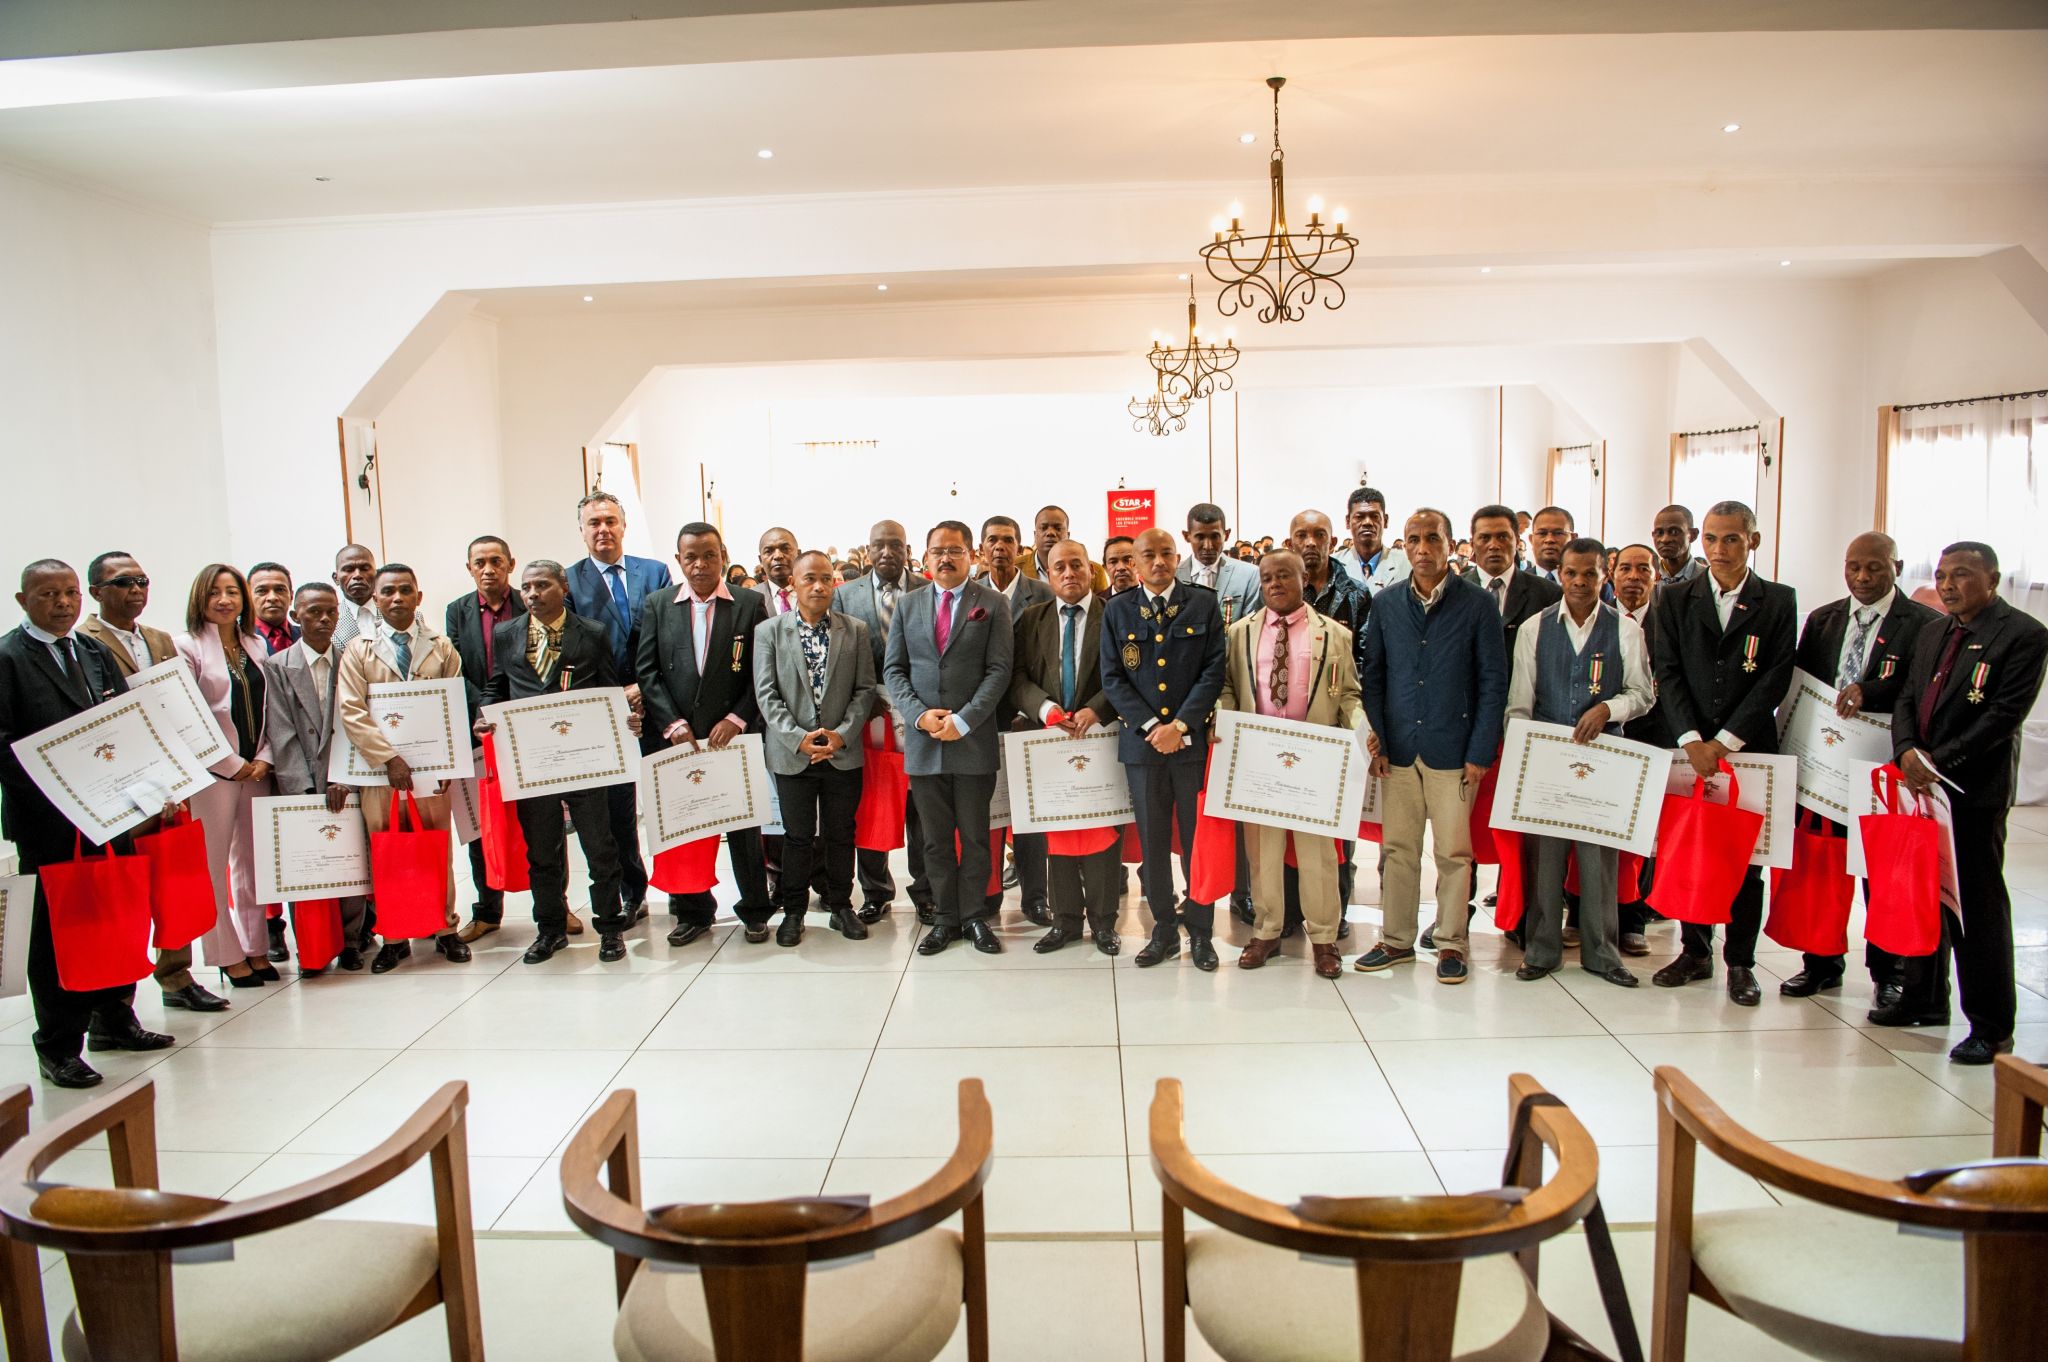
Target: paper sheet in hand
(999, 811)
(304, 852)
(111, 767)
(17, 902)
(1872, 802)
(1769, 787)
(686, 795)
(1604, 792)
(1370, 808)
(426, 722)
(1827, 745)
(1058, 782)
(563, 741)
(1286, 774)
(174, 695)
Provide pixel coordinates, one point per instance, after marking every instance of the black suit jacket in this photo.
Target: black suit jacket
(584, 661)
(466, 631)
(1528, 597)
(1035, 661)
(1975, 743)
(35, 693)
(667, 665)
(1706, 680)
(1649, 726)
(1885, 656)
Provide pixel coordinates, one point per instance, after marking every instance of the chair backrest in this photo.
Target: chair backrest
(23, 1325)
(753, 1256)
(1408, 1251)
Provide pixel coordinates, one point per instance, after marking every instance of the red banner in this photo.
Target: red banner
(1131, 512)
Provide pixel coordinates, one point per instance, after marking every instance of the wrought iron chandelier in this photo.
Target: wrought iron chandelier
(1194, 369)
(1279, 274)
(1165, 412)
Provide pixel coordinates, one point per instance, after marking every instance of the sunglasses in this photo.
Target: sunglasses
(127, 581)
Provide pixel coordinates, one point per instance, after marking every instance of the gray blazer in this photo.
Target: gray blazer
(782, 683)
(857, 598)
(971, 679)
(301, 733)
(1237, 586)
(1030, 591)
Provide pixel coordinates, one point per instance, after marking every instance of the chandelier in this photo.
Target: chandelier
(1195, 369)
(1279, 273)
(1165, 412)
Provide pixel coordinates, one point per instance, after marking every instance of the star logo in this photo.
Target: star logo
(695, 775)
(1290, 760)
(562, 726)
(1079, 761)
(105, 751)
(330, 830)
(393, 720)
(1830, 736)
(1580, 769)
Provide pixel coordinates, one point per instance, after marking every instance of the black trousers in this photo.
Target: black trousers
(743, 849)
(490, 903)
(946, 806)
(818, 807)
(1884, 967)
(1981, 943)
(623, 804)
(63, 1015)
(1746, 919)
(547, 859)
(1084, 888)
(877, 884)
(1162, 792)
(1031, 867)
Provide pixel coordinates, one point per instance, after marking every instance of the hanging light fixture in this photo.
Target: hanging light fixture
(1280, 273)
(1165, 412)
(1195, 369)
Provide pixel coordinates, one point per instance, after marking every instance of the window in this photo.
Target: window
(1575, 485)
(1971, 470)
(618, 472)
(1714, 465)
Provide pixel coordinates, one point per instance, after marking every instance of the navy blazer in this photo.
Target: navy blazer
(592, 599)
(1195, 648)
(1435, 683)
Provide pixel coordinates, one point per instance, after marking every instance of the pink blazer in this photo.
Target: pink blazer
(208, 663)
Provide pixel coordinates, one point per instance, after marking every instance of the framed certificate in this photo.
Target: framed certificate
(1370, 808)
(1057, 781)
(563, 741)
(111, 767)
(305, 852)
(686, 795)
(465, 820)
(17, 902)
(999, 811)
(1769, 787)
(1286, 774)
(1604, 792)
(175, 696)
(426, 722)
(1828, 746)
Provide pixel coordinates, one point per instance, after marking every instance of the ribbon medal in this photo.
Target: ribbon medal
(738, 646)
(1977, 680)
(1593, 675)
(1749, 653)
(1886, 668)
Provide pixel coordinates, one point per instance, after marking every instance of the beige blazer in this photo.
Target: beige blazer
(366, 661)
(1333, 675)
(161, 648)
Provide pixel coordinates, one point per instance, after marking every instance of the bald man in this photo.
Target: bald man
(355, 575)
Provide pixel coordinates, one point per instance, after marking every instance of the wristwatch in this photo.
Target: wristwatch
(1182, 726)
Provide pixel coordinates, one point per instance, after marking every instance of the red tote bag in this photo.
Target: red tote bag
(1902, 855)
(691, 868)
(504, 840)
(317, 925)
(878, 822)
(181, 902)
(1509, 894)
(1810, 902)
(1081, 841)
(409, 874)
(1212, 865)
(99, 918)
(1486, 842)
(1703, 850)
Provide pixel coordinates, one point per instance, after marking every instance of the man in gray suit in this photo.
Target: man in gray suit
(948, 670)
(872, 600)
(1235, 583)
(814, 675)
(299, 717)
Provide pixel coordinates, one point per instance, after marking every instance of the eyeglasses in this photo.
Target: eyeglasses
(948, 553)
(127, 581)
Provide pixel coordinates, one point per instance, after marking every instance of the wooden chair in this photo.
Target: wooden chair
(1853, 1286)
(160, 1275)
(886, 1291)
(1414, 1278)
(23, 1325)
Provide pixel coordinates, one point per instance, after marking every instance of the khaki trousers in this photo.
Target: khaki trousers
(433, 812)
(1315, 860)
(1414, 795)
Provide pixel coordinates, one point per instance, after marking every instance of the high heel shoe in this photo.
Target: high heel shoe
(263, 970)
(249, 980)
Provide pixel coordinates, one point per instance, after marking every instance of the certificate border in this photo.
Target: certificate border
(115, 711)
(14, 972)
(1803, 691)
(286, 804)
(1340, 737)
(1759, 856)
(598, 698)
(435, 686)
(174, 670)
(1537, 735)
(681, 835)
(1094, 818)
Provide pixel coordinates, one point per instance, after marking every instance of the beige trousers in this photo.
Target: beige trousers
(1412, 796)
(1316, 864)
(433, 812)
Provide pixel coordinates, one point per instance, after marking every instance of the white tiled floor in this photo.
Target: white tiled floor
(832, 1067)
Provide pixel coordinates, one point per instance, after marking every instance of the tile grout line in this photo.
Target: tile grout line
(874, 1050)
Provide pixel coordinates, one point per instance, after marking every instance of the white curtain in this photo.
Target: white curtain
(617, 475)
(1716, 467)
(1973, 471)
(1573, 486)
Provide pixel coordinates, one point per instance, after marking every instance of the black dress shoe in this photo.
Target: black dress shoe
(1290, 929)
(1052, 941)
(754, 933)
(937, 939)
(1202, 953)
(1977, 1050)
(610, 946)
(1683, 971)
(1241, 909)
(451, 948)
(387, 957)
(1108, 942)
(925, 914)
(683, 933)
(305, 973)
(635, 911)
(1428, 941)
(1620, 976)
(1343, 929)
(351, 958)
(1808, 982)
(984, 937)
(1742, 989)
(847, 923)
(544, 947)
(1158, 950)
(1900, 1014)
(134, 1038)
(277, 950)
(69, 1073)
(193, 998)
(791, 931)
(1038, 914)
(1527, 972)
(1888, 995)
(873, 912)
(1010, 875)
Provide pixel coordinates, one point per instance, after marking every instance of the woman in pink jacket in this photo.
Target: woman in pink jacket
(221, 649)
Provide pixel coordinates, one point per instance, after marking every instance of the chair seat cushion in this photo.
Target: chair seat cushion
(1257, 1303)
(899, 1304)
(1834, 1285)
(306, 1293)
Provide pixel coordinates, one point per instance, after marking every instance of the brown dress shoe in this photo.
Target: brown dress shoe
(575, 924)
(474, 930)
(1329, 964)
(1257, 951)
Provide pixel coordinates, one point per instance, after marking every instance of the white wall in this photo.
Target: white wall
(1949, 329)
(109, 403)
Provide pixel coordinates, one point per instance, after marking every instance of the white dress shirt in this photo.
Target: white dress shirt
(321, 665)
(1507, 581)
(1863, 619)
(1634, 698)
(131, 639)
(1059, 624)
(781, 599)
(355, 619)
(1205, 576)
(55, 643)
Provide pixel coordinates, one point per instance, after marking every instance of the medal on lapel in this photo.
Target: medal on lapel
(1887, 667)
(1593, 674)
(568, 676)
(738, 646)
(1749, 653)
(1144, 612)
(1130, 657)
(1173, 610)
(1977, 680)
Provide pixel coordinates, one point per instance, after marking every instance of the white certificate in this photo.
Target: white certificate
(1769, 787)
(563, 741)
(1370, 809)
(1827, 745)
(17, 902)
(1057, 781)
(304, 852)
(686, 795)
(175, 696)
(112, 766)
(465, 820)
(1604, 792)
(1286, 774)
(426, 722)
(999, 812)
(1870, 801)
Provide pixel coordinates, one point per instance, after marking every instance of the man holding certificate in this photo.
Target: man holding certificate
(1289, 662)
(1581, 665)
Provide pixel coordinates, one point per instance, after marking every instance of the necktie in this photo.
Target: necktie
(885, 597)
(1935, 683)
(615, 576)
(321, 686)
(1499, 587)
(1067, 647)
(942, 620)
(1852, 661)
(401, 651)
(1276, 684)
(784, 594)
(1159, 611)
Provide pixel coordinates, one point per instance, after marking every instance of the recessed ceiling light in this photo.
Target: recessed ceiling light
(1783, 263)
(881, 288)
(588, 298)
(1247, 137)
(1731, 127)
(765, 154)
(1182, 277)
(1486, 269)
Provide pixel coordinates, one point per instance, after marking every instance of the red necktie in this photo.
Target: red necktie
(942, 624)
(1940, 677)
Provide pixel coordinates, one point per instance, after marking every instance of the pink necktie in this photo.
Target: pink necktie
(784, 593)
(942, 624)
